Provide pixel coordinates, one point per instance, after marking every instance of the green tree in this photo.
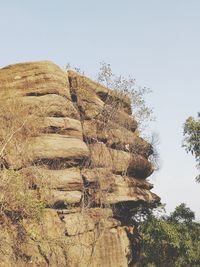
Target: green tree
(171, 241)
(182, 214)
(191, 140)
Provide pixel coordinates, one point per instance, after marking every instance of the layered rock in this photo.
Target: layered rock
(84, 158)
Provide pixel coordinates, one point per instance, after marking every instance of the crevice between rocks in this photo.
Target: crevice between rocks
(81, 114)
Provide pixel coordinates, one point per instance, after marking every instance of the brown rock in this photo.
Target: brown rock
(120, 161)
(34, 78)
(54, 146)
(113, 107)
(66, 126)
(88, 220)
(57, 198)
(107, 188)
(100, 156)
(123, 192)
(50, 106)
(105, 179)
(78, 180)
(64, 179)
(45, 241)
(107, 95)
(106, 248)
(117, 115)
(140, 167)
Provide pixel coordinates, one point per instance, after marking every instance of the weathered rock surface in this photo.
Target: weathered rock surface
(115, 136)
(34, 79)
(66, 126)
(108, 188)
(120, 161)
(88, 220)
(54, 147)
(69, 179)
(50, 105)
(84, 156)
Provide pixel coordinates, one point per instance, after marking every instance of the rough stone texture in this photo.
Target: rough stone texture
(84, 157)
(66, 126)
(69, 179)
(50, 105)
(50, 147)
(88, 220)
(120, 161)
(92, 106)
(111, 248)
(108, 188)
(34, 79)
(115, 136)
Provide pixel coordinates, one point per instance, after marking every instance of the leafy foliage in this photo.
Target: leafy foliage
(192, 139)
(172, 240)
(128, 87)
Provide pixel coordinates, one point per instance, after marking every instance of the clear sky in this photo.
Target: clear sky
(155, 41)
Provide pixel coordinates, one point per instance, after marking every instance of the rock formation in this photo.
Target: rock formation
(85, 150)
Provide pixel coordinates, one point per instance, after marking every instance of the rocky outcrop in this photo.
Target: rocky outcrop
(83, 158)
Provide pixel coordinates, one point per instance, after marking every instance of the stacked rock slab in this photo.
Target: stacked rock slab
(88, 154)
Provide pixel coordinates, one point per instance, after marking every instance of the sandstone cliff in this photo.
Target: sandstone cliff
(80, 153)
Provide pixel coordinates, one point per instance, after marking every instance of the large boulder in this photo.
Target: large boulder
(75, 146)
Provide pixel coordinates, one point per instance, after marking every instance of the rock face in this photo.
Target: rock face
(87, 152)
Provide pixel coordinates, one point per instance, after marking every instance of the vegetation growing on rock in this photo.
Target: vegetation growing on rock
(71, 152)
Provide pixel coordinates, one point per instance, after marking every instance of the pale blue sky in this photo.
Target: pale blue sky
(155, 41)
